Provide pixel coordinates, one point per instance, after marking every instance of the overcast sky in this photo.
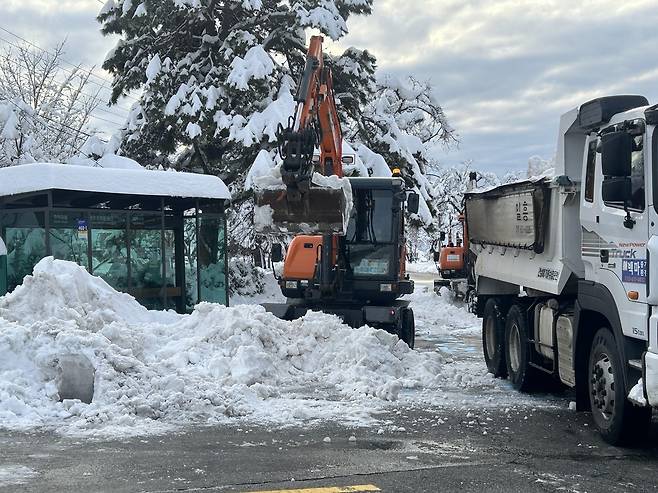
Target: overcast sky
(504, 70)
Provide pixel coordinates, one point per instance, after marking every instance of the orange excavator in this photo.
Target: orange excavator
(456, 262)
(350, 259)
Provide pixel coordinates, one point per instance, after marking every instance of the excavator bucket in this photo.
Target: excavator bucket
(319, 210)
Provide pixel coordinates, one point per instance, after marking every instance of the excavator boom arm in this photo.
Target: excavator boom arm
(305, 206)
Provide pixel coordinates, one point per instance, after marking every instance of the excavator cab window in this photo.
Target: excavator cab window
(371, 217)
(369, 239)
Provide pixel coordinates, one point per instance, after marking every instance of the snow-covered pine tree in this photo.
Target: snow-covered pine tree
(216, 77)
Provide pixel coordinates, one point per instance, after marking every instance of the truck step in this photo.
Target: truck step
(635, 364)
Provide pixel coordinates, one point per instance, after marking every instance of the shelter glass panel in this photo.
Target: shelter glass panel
(25, 237)
(109, 248)
(3, 275)
(191, 277)
(146, 267)
(69, 237)
(212, 259)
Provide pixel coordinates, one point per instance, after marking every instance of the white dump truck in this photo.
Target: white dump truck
(564, 275)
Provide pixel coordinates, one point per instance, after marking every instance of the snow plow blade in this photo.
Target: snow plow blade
(319, 210)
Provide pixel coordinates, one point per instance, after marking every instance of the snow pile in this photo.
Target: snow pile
(636, 394)
(153, 69)
(263, 177)
(118, 162)
(263, 173)
(14, 474)
(157, 370)
(440, 315)
(423, 267)
(121, 177)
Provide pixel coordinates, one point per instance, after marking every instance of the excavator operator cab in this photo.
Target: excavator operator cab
(373, 249)
(370, 258)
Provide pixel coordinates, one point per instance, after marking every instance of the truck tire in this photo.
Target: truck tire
(408, 329)
(521, 375)
(493, 339)
(618, 421)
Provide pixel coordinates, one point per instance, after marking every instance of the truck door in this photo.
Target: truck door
(615, 231)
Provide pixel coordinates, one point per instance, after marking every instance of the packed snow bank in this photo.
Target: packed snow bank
(423, 267)
(158, 370)
(441, 315)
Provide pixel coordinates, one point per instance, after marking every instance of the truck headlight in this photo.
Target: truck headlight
(386, 288)
(291, 284)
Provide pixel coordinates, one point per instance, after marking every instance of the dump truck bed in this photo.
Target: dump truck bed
(526, 234)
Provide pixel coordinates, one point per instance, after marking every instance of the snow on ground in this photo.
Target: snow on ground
(438, 316)
(12, 475)
(423, 267)
(444, 325)
(158, 371)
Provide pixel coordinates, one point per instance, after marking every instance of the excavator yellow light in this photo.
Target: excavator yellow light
(396, 172)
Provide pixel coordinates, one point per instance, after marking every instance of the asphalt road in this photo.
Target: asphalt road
(522, 444)
(523, 450)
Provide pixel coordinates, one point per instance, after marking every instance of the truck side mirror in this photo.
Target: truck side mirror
(616, 191)
(277, 253)
(413, 202)
(437, 256)
(616, 150)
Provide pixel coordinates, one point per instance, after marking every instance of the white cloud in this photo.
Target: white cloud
(505, 69)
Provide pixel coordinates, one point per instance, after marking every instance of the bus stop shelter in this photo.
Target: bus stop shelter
(157, 235)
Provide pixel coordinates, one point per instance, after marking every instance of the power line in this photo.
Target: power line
(103, 79)
(106, 120)
(100, 108)
(64, 125)
(70, 71)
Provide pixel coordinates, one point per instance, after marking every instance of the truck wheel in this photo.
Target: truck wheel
(408, 329)
(493, 339)
(522, 376)
(618, 421)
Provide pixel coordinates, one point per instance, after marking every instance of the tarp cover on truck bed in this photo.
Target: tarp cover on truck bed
(513, 215)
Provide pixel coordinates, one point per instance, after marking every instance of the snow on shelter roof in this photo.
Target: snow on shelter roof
(38, 177)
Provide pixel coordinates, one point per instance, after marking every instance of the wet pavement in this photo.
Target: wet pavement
(489, 450)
